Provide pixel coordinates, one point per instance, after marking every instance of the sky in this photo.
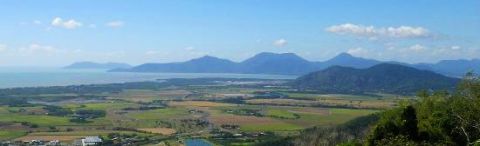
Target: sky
(59, 32)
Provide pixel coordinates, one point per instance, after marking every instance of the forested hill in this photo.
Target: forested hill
(386, 78)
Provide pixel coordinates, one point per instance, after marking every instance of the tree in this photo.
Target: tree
(439, 118)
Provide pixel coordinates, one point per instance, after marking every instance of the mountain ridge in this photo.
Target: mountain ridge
(292, 64)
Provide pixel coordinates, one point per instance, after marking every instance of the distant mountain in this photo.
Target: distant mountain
(347, 60)
(291, 64)
(206, 64)
(386, 78)
(271, 63)
(456, 68)
(262, 63)
(93, 65)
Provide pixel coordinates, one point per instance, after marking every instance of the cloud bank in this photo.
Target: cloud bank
(115, 24)
(373, 32)
(68, 24)
(280, 43)
(416, 53)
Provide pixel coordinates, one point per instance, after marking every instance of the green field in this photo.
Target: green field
(7, 135)
(270, 127)
(197, 111)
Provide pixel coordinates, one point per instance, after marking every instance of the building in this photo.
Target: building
(91, 140)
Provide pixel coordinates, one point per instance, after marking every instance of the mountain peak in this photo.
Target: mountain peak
(345, 59)
(208, 58)
(344, 55)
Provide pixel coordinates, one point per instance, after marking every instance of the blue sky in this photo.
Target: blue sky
(57, 32)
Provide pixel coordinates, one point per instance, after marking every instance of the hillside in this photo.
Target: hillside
(271, 63)
(387, 78)
(93, 65)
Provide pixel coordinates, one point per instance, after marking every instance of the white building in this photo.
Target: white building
(91, 140)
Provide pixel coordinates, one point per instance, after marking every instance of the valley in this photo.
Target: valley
(244, 111)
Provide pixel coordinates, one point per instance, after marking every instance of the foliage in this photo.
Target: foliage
(90, 114)
(14, 102)
(57, 111)
(438, 118)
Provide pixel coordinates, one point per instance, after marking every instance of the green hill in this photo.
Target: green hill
(385, 78)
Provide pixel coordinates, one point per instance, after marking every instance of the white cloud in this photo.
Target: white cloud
(358, 51)
(372, 32)
(280, 43)
(417, 53)
(37, 49)
(190, 48)
(152, 53)
(115, 24)
(69, 24)
(417, 48)
(3, 48)
(455, 47)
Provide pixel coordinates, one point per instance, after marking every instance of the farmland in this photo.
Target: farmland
(158, 113)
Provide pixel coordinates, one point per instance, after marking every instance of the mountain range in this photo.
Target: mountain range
(93, 65)
(292, 64)
(384, 78)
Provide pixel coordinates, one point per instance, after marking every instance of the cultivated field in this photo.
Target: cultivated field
(182, 112)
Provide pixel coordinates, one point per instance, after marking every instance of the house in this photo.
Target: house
(91, 140)
(53, 143)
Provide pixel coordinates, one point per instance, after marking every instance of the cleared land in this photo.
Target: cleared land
(163, 131)
(184, 111)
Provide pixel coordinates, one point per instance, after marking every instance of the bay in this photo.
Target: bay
(11, 77)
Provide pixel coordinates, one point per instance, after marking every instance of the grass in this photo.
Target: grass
(41, 120)
(336, 116)
(149, 119)
(101, 106)
(160, 113)
(199, 104)
(280, 113)
(7, 135)
(277, 126)
(136, 95)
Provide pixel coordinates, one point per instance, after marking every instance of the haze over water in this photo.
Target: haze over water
(11, 77)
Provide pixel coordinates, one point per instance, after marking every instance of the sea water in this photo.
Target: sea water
(11, 77)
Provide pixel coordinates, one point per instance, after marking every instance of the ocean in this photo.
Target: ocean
(11, 77)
